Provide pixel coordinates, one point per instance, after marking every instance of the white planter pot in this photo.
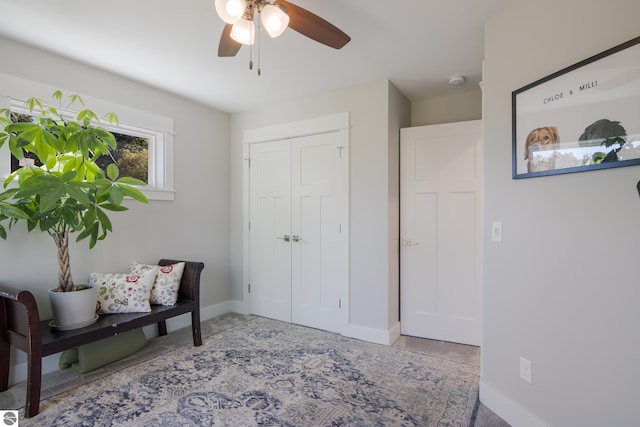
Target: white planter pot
(72, 310)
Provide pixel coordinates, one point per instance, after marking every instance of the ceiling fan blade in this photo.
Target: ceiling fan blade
(228, 46)
(314, 27)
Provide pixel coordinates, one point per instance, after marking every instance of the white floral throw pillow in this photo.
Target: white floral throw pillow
(123, 293)
(167, 283)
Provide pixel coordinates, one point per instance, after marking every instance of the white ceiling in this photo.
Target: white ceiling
(172, 44)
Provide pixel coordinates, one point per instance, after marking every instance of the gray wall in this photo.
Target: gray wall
(193, 226)
(562, 288)
(447, 109)
(373, 192)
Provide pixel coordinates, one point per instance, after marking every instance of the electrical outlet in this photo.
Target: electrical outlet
(525, 370)
(496, 231)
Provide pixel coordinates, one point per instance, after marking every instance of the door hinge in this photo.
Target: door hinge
(249, 287)
(249, 225)
(249, 161)
(339, 303)
(340, 151)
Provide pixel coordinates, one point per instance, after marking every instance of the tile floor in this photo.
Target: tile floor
(461, 353)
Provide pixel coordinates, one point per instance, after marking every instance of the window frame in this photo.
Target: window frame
(158, 130)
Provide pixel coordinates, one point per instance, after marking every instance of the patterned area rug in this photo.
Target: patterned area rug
(268, 373)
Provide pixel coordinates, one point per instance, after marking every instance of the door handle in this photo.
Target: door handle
(408, 243)
(286, 238)
(295, 238)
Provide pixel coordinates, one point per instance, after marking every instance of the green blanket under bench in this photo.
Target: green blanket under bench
(88, 357)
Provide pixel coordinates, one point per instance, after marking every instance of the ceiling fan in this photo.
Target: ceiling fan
(275, 17)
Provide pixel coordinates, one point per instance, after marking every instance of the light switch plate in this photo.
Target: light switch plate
(496, 231)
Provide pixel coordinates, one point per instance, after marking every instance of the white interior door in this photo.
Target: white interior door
(319, 230)
(270, 222)
(299, 230)
(441, 207)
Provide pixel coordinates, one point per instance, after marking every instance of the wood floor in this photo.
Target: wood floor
(460, 353)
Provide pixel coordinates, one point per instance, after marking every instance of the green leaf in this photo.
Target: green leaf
(48, 222)
(3, 233)
(69, 215)
(32, 103)
(113, 172)
(68, 176)
(131, 181)
(105, 137)
(104, 220)
(5, 195)
(76, 193)
(76, 98)
(95, 171)
(15, 146)
(94, 237)
(12, 211)
(70, 166)
(20, 127)
(52, 198)
(89, 217)
(51, 162)
(87, 232)
(113, 118)
(38, 185)
(133, 192)
(114, 208)
(116, 195)
(86, 116)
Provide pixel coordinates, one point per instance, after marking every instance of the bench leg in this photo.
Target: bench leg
(162, 328)
(195, 328)
(34, 382)
(5, 359)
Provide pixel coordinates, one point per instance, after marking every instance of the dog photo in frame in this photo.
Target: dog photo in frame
(584, 117)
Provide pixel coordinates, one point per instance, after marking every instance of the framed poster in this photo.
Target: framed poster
(584, 117)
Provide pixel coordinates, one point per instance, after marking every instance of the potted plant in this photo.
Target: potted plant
(59, 188)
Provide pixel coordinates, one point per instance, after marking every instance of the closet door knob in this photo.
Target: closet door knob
(286, 238)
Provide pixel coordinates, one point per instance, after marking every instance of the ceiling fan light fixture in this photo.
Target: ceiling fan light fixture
(230, 11)
(243, 32)
(274, 20)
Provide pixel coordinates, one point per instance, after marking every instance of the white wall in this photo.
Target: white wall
(370, 222)
(194, 226)
(399, 112)
(562, 289)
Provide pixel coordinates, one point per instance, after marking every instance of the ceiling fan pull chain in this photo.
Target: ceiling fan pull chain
(258, 30)
(249, 13)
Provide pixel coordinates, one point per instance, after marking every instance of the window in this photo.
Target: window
(144, 146)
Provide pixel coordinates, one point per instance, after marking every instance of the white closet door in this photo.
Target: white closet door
(299, 236)
(270, 219)
(319, 230)
(441, 214)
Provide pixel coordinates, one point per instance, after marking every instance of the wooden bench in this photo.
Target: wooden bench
(20, 326)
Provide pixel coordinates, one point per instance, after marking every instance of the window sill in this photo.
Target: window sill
(158, 194)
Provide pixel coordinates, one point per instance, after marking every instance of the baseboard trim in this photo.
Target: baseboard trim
(506, 408)
(239, 307)
(378, 336)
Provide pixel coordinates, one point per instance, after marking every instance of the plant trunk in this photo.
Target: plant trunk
(65, 281)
